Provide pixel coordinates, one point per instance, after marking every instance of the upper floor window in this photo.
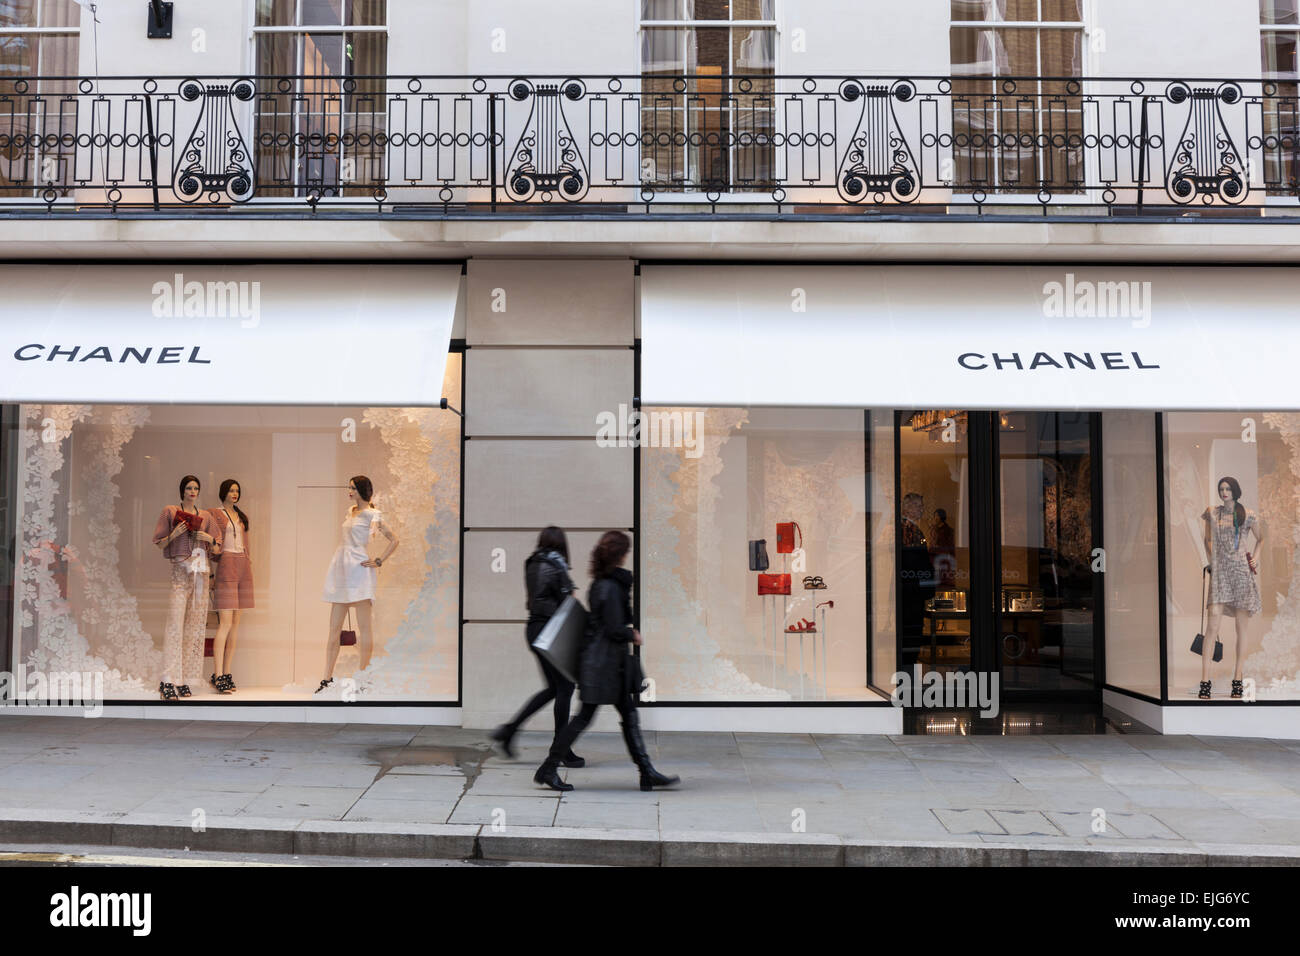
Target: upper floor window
(38, 39)
(1017, 122)
(320, 103)
(707, 69)
(1279, 36)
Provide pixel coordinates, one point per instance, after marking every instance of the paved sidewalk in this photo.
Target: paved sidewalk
(435, 791)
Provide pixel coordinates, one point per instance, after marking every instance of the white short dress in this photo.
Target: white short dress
(346, 580)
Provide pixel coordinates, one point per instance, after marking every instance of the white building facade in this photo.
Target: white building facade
(966, 311)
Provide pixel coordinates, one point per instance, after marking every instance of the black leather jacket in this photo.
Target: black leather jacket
(603, 670)
(546, 577)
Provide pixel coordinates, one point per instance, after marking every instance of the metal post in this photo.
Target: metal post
(153, 149)
(492, 147)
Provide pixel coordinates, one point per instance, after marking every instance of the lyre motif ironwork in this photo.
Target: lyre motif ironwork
(214, 161)
(546, 161)
(878, 162)
(1206, 162)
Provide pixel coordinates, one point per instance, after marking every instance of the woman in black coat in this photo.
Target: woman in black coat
(546, 578)
(604, 671)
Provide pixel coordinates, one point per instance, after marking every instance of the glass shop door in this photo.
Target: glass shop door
(995, 530)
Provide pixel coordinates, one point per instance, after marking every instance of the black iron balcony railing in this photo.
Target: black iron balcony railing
(766, 146)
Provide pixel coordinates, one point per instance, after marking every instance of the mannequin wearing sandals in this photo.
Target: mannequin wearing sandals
(352, 576)
(185, 532)
(233, 589)
(1234, 590)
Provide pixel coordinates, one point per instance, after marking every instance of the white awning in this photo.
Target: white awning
(231, 335)
(971, 337)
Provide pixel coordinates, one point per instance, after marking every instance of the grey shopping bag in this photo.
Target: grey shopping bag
(561, 640)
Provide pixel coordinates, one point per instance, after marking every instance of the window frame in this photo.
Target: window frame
(731, 194)
(43, 31)
(1083, 26)
(1274, 197)
(300, 30)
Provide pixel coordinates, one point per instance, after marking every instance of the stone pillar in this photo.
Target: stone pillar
(549, 347)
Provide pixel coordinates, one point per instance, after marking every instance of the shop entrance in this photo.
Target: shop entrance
(997, 518)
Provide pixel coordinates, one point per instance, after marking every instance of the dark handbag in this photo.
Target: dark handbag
(348, 637)
(635, 675)
(785, 532)
(758, 555)
(773, 584)
(562, 638)
(1198, 642)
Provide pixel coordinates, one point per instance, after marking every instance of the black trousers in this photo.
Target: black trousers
(558, 688)
(627, 713)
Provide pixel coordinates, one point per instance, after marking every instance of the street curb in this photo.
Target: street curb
(590, 846)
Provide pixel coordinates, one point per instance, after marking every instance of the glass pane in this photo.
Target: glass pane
(322, 12)
(753, 158)
(1063, 11)
(661, 10)
(933, 517)
(276, 56)
(367, 13)
(1250, 610)
(60, 13)
(708, 9)
(275, 13)
(712, 481)
(90, 568)
(992, 11)
(1277, 54)
(1278, 11)
(751, 9)
(1045, 603)
(1132, 555)
(17, 13)
(708, 108)
(58, 57)
(883, 528)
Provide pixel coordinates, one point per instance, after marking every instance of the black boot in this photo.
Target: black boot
(547, 776)
(650, 777)
(503, 735)
(572, 761)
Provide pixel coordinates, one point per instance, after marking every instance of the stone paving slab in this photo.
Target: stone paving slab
(809, 799)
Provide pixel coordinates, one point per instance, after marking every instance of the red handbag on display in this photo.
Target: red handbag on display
(785, 531)
(773, 584)
(348, 637)
(195, 521)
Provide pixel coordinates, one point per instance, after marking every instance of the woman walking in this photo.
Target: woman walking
(605, 674)
(547, 581)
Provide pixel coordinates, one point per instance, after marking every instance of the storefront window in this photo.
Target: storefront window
(1130, 483)
(1233, 507)
(794, 479)
(934, 569)
(96, 594)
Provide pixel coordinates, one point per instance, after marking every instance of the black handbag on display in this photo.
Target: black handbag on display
(1198, 642)
(758, 555)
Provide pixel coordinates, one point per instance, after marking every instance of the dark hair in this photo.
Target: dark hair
(225, 490)
(1234, 486)
(185, 481)
(941, 514)
(608, 553)
(365, 488)
(552, 539)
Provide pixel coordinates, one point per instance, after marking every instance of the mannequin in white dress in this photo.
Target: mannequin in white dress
(352, 575)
